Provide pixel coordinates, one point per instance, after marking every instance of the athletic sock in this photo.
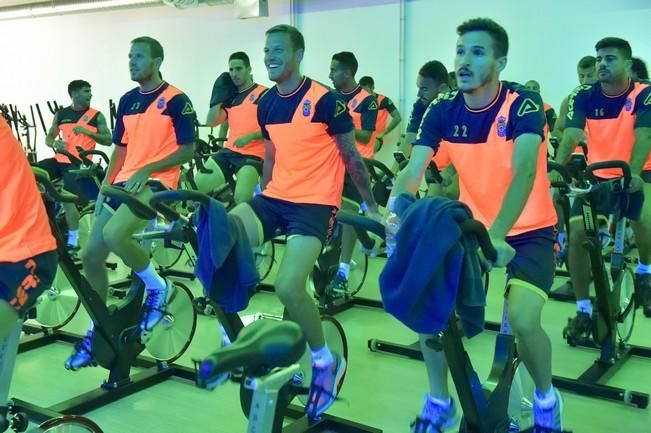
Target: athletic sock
(344, 270)
(150, 277)
(584, 306)
(322, 357)
(73, 238)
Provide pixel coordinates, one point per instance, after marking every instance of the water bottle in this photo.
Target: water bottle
(392, 226)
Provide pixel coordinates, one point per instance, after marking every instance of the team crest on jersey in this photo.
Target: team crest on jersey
(307, 107)
(629, 104)
(161, 103)
(85, 118)
(501, 126)
(354, 103)
(251, 97)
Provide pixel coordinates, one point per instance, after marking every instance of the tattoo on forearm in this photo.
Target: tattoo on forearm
(356, 168)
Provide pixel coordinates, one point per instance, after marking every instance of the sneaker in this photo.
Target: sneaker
(436, 416)
(578, 328)
(154, 308)
(339, 284)
(548, 420)
(326, 382)
(82, 355)
(643, 290)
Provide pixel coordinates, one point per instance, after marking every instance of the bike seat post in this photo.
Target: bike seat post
(265, 389)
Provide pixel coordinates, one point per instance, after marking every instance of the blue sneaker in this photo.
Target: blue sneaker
(436, 416)
(82, 355)
(548, 419)
(326, 382)
(154, 308)
(338, 284)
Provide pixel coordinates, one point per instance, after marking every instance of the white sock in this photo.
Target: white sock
(322, 357)
(150, 277)
(584, 306)
(545, 399)
(73, 238)
(447, 401)
(344, 269)
(641, 268)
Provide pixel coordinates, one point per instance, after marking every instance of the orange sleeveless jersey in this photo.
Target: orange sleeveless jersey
(610, 121)
(308, 166)
(480, 145)
(243, 120)
(152, 131)
(24, 226)
(72, 140)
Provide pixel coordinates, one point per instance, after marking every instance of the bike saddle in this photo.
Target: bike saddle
(262, 345)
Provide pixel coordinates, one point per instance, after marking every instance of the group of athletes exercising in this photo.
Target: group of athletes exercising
(488, 138)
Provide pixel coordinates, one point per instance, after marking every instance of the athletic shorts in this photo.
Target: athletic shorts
(293, 218)
(23, 282)
(533, 265)
(231, 162)
(606, 202)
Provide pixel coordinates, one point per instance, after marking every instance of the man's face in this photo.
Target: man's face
(475, 63)
(532, 86)
(141, 64)
(240, 74)
(587, 75)
(82, 96)
(280, 58)
(338, 74)
(428, 90)
(611, 65)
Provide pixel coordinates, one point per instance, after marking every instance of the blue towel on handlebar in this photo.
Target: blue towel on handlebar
(225, 265)
(434, 269)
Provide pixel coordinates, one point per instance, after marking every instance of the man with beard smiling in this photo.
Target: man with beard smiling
(614, 114)
(154, 134)
(492, 132)
(309, 145)
(235, 100)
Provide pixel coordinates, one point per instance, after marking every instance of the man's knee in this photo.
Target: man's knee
(522, 322)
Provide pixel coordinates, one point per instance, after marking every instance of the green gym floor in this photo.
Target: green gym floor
(381, 390)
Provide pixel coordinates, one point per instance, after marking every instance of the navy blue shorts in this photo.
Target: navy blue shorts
(533, 266)
(231, 162)
(293, 218)
(21, 283)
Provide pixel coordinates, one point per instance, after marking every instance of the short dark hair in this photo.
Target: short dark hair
(639, 67)
(347, 59)
(497, 32)
(587, 62)
(434, 70)
(77, 85)
(622, 45)
(240, 55)
(298, 42)
(366, 81)
(155, 48)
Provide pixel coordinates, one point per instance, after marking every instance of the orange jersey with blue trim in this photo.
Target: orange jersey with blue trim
(152, 125)
(610, 121)
(242, 115)
(363, 108)
(67, 120)
(440, 158)
(480, 145)
(308, 167)
(24, 225)
(385, 108)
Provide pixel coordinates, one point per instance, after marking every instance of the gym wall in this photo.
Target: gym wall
(41, 55)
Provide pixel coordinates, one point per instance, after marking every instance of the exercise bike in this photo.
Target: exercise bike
(254, 354)
(504, 402)
(117, 341)
(614, 315)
